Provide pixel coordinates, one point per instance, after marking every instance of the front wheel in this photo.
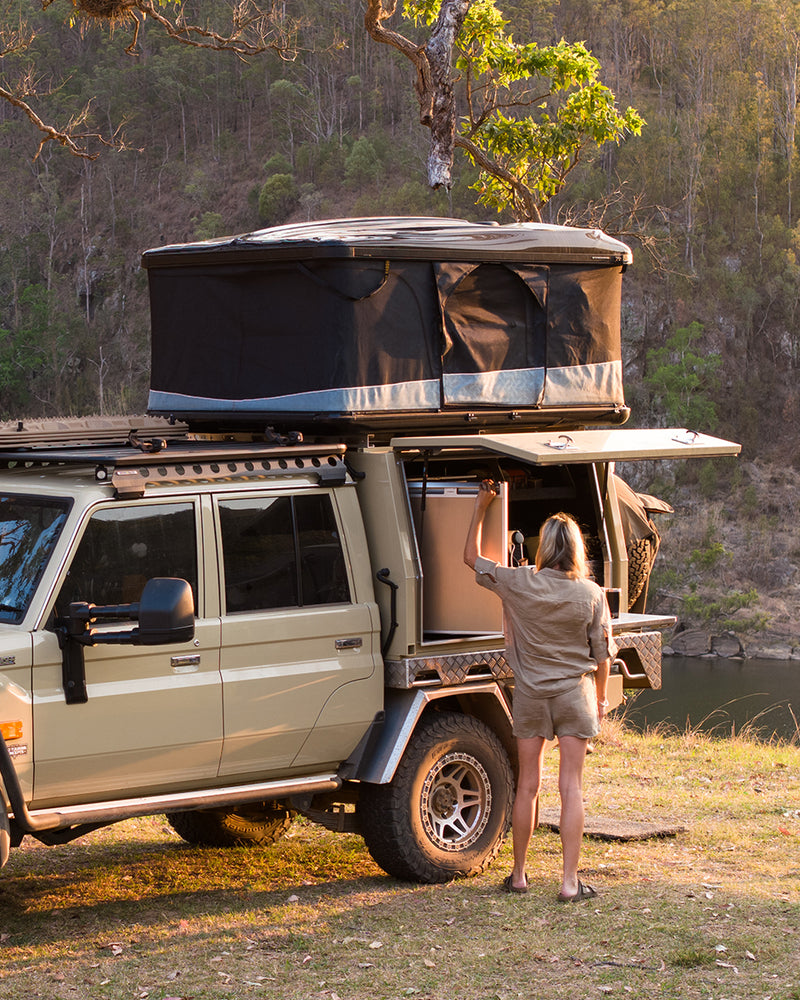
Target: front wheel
(446, 812)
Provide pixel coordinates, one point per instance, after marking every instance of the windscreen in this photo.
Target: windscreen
(29, 530)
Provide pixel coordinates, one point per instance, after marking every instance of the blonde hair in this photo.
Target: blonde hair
(561, 546)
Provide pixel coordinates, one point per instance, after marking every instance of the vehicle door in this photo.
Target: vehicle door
(298, 649)
(153, 718)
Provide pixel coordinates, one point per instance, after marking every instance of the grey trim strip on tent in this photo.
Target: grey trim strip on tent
(590, 384)
(421, 395)
(516, 387)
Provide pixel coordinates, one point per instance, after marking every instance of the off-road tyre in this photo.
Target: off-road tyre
(447, 810)
(641, 556)
(248, 826)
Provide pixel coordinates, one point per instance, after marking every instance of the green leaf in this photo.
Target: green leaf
(532, 109)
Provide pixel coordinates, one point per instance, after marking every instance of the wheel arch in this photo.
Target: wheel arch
(404, 709)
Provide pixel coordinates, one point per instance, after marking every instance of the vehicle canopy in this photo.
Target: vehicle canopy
(390, 322)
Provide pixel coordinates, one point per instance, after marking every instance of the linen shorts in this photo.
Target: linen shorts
(573, 713)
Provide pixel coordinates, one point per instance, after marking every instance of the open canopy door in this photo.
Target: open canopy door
(553, 448)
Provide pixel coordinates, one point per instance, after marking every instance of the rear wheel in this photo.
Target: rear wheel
(247, 826)
(447, 810)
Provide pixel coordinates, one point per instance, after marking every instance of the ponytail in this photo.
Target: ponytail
(561, 546)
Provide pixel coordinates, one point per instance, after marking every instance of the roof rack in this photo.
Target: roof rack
(133, 464)
(85, 430)
(222, 462)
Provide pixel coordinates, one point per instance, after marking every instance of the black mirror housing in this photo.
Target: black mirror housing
(166, 612)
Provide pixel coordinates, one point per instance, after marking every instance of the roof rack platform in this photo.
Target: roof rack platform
(134, 462)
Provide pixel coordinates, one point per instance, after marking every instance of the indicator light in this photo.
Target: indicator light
(11, 730)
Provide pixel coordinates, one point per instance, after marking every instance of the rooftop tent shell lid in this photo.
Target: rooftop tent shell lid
(404, 237)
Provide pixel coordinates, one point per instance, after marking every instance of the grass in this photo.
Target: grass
(131, 912)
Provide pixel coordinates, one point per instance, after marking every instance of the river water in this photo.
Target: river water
(723, 696)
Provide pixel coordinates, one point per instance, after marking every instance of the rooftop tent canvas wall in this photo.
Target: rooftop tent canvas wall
(290, 337)
(584, 350)
(371, 319)
(494, 333)
(520, 335)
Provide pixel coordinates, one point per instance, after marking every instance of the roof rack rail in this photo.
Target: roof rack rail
(130, 471)
(46, 433)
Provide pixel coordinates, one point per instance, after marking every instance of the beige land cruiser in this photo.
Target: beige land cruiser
(257, 605)
(228, 633)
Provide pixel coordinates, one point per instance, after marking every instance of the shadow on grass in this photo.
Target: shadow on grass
(129, 906)
(49, 894)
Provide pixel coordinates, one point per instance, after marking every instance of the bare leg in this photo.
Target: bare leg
(531, 754)
(570, 787)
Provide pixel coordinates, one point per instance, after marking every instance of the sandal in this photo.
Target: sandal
(508, 885)
(584, 892)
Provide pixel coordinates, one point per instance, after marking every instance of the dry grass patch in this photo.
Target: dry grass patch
(712, 913)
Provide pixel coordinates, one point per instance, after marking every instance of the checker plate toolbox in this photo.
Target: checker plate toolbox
(638, 662)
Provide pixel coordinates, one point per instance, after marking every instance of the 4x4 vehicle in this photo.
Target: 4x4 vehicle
(231, 625)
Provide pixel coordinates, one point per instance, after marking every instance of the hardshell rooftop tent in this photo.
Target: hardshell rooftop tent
(390, 321)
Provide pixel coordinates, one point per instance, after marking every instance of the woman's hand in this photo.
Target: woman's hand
(486, 493)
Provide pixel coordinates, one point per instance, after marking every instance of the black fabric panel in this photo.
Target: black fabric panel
(583, 321)
(250, 331)
(493, 316)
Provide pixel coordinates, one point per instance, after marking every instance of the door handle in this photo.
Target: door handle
(185, 664)
(355, 643)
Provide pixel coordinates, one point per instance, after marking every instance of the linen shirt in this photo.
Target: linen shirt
(557, 629)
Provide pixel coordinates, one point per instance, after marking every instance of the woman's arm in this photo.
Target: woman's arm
(472, 546)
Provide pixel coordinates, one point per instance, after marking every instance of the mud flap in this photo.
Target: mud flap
(5, 838)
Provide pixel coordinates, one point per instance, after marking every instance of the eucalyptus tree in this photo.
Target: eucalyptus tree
(524, 114)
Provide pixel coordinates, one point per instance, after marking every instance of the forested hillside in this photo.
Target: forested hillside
(216, 145)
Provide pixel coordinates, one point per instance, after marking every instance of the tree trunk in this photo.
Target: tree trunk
(434, 84)
(439, 51)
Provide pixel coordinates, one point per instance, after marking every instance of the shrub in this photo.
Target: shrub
(278, 199)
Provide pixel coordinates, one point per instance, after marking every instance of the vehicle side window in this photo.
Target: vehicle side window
(324, 577)
(281, 552)
(124, 547)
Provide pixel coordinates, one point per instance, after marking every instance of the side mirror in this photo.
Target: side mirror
(165, 614)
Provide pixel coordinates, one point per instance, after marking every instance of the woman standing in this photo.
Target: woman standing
(559, 645)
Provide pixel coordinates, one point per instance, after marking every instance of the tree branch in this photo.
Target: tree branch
(525, 206)
(376, 13)
(64, 137)
(266, 28)
(255, 29)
